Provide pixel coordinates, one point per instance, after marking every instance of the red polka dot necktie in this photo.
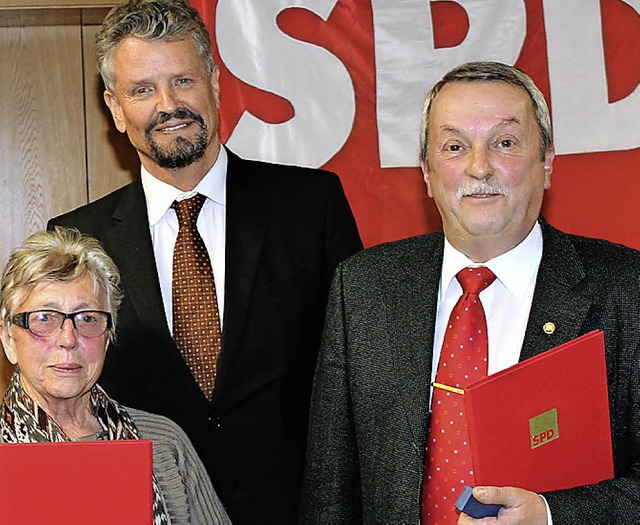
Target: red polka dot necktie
(448, 463)
(196, 322)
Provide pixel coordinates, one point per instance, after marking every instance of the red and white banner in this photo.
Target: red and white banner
(340, 84)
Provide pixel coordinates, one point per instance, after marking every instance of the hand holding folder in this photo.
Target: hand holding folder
(543, 424)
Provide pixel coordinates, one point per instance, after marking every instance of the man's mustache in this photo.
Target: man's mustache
(179, 114)
(488, 186)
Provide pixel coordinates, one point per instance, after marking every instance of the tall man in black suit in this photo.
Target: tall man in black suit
(274, 234)
(487, 158)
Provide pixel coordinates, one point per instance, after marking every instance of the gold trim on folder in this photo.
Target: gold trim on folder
(448, 388)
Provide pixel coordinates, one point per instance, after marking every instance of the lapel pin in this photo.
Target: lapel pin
(549, 328)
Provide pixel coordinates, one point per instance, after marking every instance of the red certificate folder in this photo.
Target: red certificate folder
(543, 424)
(78, 483)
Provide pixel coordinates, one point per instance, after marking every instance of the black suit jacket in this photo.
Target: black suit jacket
(369, 407)
(287, 229)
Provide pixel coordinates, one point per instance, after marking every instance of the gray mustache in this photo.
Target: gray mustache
(487, 186)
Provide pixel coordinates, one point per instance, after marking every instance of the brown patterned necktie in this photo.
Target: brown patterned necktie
(196, 322)
(448, 463)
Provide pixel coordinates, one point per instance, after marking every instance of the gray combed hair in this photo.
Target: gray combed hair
(490, 72)
(150, 20)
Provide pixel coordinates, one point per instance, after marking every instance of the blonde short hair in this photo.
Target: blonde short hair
(58, 256)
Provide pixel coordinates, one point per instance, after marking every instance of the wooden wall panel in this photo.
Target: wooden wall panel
(57, 4)
(111, 160)
(58, 146)
(42, 145)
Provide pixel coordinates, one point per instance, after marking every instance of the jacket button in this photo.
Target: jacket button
(214, 421)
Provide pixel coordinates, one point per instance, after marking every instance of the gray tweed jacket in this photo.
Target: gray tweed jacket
(369, 417)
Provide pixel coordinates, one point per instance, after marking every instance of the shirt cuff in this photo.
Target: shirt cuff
(549, 520)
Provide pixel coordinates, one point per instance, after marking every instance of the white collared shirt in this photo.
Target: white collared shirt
(163, 224)
(506, 302)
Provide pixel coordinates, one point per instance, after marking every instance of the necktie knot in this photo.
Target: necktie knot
(474, 280)
(188, 210)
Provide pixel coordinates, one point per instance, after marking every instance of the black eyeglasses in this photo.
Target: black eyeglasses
(43, 323)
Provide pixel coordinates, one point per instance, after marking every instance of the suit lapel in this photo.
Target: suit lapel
(411, 311)
(556, 299)
(130, 244)
(132, 250)
(247, 213)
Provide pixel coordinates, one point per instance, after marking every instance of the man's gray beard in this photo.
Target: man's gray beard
(181, 152)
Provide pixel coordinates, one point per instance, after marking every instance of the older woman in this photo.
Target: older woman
(59, 298)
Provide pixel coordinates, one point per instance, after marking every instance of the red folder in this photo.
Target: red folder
(543, 424)
(79, 483)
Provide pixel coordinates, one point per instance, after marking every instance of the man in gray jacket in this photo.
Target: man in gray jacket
(487, 158)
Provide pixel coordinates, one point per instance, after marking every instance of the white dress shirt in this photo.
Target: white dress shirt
(506, 302)
(163, 224)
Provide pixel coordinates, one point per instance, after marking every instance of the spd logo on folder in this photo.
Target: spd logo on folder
(544, 428)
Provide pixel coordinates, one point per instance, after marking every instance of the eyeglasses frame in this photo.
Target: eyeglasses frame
(22, 320)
